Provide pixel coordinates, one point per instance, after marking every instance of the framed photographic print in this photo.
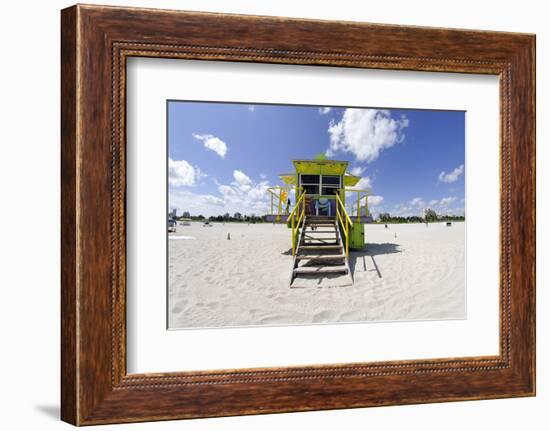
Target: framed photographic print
(267, 215)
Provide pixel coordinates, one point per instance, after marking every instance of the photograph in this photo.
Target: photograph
(298, 215)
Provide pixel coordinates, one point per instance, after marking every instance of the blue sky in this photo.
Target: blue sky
(223, 156)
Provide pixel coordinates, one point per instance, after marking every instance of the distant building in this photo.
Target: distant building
(173, 213)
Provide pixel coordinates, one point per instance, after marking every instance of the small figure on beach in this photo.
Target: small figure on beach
(288, 204)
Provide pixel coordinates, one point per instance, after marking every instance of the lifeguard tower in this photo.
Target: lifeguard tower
(324, 228)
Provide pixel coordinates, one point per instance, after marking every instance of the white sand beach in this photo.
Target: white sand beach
(406, 272)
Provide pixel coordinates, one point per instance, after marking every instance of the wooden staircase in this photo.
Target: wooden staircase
(320, 258)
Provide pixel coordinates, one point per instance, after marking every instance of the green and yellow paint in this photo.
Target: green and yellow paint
(321, 188)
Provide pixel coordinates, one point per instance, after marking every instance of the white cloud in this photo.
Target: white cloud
(212, 143)
(213, 200)
(375, 200)
(447, 201)
(186, 200)
(418, 202)
(251, 108)
(244, 195)
(417, 206)
(324, 111)
(363, 183)
(357, 171)
(181, 173)
(405, 210)
(248, 199)
(241, 179)
(452, 176)
(365, 133)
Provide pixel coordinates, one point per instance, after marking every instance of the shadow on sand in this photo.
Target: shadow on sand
(359, 257)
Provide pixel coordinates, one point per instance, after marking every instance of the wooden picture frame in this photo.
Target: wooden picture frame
(95, 43)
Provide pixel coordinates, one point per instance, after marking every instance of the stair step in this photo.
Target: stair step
(320, 231)
(329, 225)
(321, 247)
(323, 221)
(320, 269)
(320, 256)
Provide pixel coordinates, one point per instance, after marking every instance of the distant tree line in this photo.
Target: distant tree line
(237, 217)
(388, 218)
(430, 216)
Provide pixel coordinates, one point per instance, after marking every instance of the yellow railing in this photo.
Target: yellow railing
(279, 197)
(356, 212)
(345, 221)
(296, 218)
